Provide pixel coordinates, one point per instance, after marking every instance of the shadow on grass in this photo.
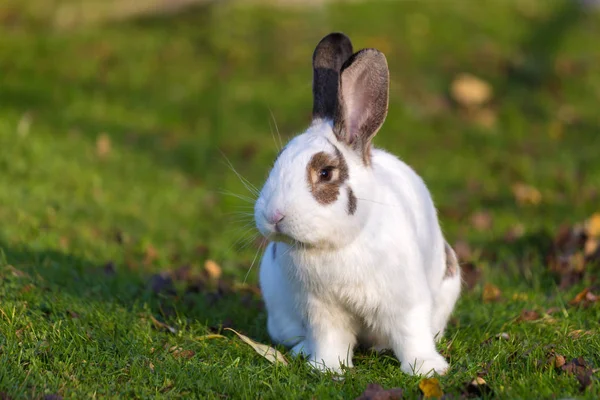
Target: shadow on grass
(172, 296)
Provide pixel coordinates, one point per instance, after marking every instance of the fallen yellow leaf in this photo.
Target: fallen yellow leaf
(526, 194)
(213, 269)
(431, 388)
(210, 336)
(591, 246)
(102, 145)
(491, 293)
(269, 353)
(162, 325)
(470, 91)
(593, 225)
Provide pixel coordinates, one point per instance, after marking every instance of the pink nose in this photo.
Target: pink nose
(276, 217)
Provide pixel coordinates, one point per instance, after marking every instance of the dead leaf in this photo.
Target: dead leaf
(162, 325)
(514, 233)
(151, 366)
(592, 225)
(591, 247)
(213, 269)
(577, 333)
(150, 254)
(431, 388)
(470, 91)
(526, 194)
(181, 353)
(72, 314)
(376, 392)
(491, 293)
(481, 220)
(210, 336)
(244, 287)
(582, 371)
(103, 145)
(478, 387)
(470, 274)
(462, 250)
(557, 361)
(585, 298)
(268, 352)
(553, 310)
(529, 315)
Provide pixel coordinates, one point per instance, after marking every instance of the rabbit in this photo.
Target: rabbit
(356, 252)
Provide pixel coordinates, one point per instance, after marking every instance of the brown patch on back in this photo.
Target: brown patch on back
(452, 266)
(326, 191)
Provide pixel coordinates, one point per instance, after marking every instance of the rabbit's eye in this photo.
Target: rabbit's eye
(326, 174)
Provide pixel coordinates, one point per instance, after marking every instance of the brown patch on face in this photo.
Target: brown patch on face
(452, 266)
(325, 175)
(351, 202)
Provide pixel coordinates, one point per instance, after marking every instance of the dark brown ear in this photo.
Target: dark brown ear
(329, 56)
(363, 100)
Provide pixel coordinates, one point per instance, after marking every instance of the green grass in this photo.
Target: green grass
(173, 94)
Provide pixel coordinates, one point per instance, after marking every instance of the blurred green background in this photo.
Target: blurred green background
(118, 118)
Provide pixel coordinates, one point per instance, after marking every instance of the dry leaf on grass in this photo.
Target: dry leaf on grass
(268, 352)
(478, 387)
(470, 274)
(481, 220)
(212, 269)
(526, 194)
(470, 91)
(582, 371)
(376, 392)
(557, 361)
(491, 293)
(592, 225)
(577, 333)
(210, 336)
(584, 298)
(162, 325)
(431, 388)
(529, 315)
(181, 353)
(103, 145)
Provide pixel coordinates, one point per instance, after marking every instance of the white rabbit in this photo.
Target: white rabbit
(356, 254)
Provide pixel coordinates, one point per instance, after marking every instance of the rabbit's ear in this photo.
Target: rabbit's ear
(329, 56)
(362, 100)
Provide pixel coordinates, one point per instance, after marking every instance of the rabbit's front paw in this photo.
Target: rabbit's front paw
(426, 366)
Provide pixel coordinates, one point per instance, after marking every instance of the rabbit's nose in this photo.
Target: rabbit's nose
(275, 217)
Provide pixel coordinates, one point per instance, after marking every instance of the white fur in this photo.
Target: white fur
(376, 276)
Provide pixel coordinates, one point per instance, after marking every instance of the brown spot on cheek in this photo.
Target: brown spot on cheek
(451, 262)
(326, 192)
